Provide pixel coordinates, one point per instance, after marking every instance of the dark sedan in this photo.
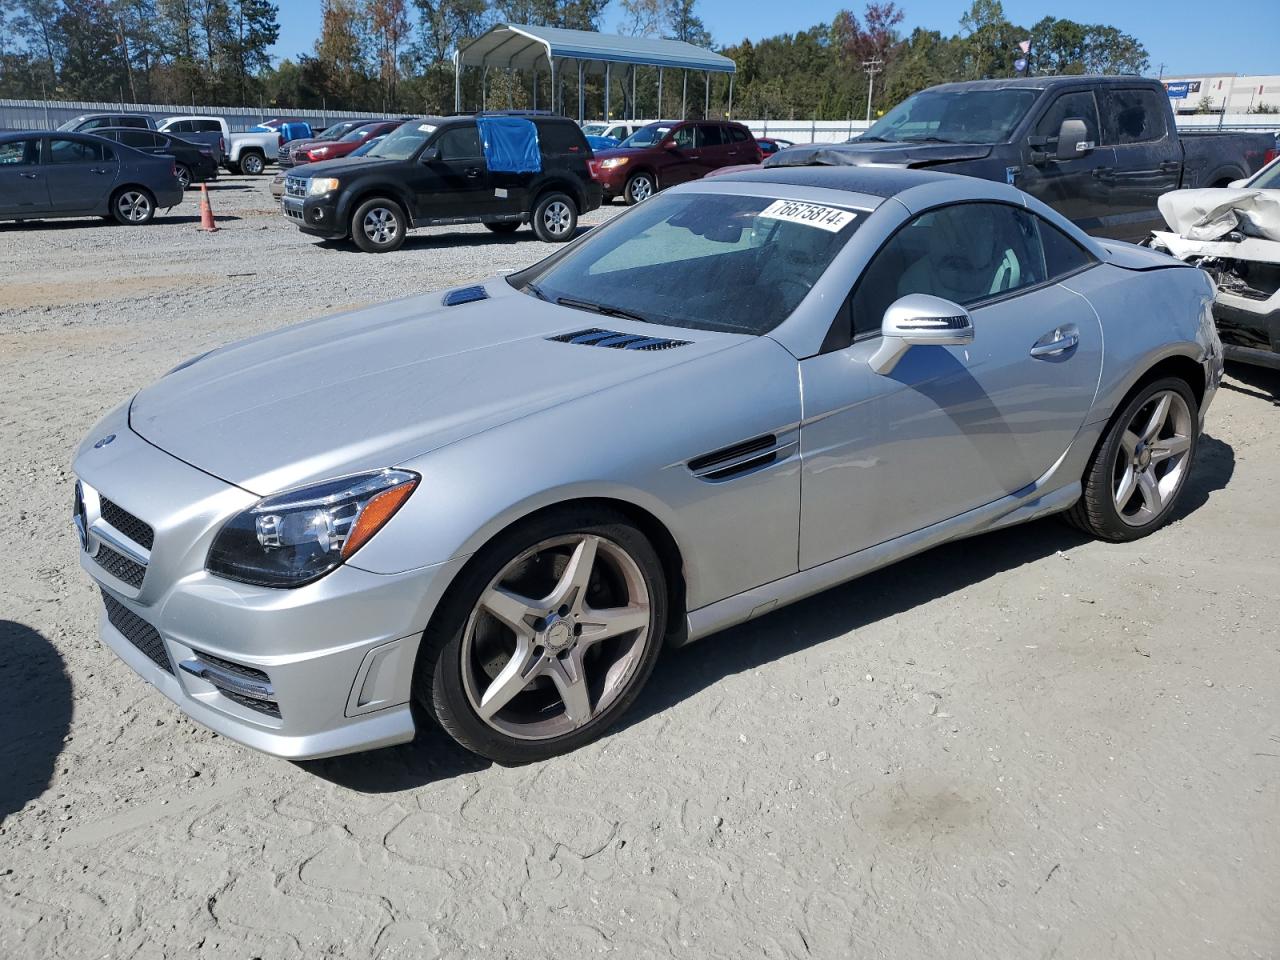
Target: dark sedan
(195, 161)
(45, 175)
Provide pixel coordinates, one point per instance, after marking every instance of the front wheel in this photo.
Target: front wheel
(555, 218)
(1140, 469)
(252, 164)
(547, 638)
(133, 206)
(641, 186)
(378, 226)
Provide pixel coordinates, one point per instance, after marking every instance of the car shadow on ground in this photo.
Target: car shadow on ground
(680, 674)
(35, 714)
(1261, 383)
(94, 223)
(448, 241)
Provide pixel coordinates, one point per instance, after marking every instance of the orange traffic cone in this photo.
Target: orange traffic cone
(206, 211)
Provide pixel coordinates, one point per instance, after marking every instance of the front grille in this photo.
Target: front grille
(269, 707)
(292, 214)
(295, 187)
(136, 530)
(137, 631)
(120, 566)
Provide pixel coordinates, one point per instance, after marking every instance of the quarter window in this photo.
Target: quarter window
(1062, 255)
(17, 152)
(966, 253)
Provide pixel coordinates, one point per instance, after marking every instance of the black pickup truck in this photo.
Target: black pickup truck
(1100, 150)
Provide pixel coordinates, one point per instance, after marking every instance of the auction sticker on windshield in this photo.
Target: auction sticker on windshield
(810, 214)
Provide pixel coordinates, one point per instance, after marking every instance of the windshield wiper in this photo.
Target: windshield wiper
(536, 291)
(602, 309)
(864, 139)
(927, 140)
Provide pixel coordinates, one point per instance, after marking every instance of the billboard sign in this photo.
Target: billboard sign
(1178, 91)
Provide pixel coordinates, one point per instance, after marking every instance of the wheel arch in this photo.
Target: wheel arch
(557, 185)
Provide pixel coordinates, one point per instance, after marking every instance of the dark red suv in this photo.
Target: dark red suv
(354, 140)
(669, 152)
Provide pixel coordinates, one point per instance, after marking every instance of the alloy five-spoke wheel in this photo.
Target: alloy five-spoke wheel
(1140, 467)
(133, 207)
(549, 636)
(1152, 458)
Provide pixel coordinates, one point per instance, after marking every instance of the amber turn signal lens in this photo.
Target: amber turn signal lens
(375, 514)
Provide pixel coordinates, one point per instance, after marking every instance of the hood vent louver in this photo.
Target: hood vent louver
(596, 337)
(465, 295)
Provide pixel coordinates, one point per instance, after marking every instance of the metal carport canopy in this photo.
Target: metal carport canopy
(509, 45)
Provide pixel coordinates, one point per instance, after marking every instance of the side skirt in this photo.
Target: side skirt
(1027, 504)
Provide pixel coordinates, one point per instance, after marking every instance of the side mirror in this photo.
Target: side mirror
(1238, 184)
(430, 155)
(669, 145)
(1073, 140)
(919, 320)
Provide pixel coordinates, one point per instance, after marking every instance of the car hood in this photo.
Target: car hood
(859, 154)
(379, 386)
(620, 152)
(340, 165)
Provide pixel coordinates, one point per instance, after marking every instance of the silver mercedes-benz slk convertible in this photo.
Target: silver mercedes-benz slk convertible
(500, 502)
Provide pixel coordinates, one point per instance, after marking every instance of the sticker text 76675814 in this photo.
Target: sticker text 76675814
(832, 219)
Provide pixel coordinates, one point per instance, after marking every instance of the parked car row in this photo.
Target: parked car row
(247, 152)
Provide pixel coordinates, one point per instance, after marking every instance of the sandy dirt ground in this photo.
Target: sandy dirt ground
(1026, 745)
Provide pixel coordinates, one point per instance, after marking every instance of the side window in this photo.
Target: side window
(1131, 116)
(181, 126)
(17, 152)
(710, 135)
(1070, 106)
(206, 126)
(460, 143)
(739, 135)
(137, 138)
(684, 137)
(76, 151)
(966, 253)
(557, 139)
(1062, 255)
(138, 122)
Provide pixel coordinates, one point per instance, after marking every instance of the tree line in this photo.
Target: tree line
(395, 55)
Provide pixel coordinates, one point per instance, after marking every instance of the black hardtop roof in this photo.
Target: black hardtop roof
(882, 182)
(1040, 83)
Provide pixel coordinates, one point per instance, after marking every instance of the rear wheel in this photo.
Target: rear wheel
(505, 226)
(378, 226)
(184, 176)
(252, 163)
(1140, 469)
(555, 218)
(133, 206)
(641, 186)
(547, 638)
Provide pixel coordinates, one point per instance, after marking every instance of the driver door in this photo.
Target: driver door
(456, 184)
(949, 429)
(1075, 188)
(684, 162)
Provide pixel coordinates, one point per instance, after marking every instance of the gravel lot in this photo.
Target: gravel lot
(1025, 745)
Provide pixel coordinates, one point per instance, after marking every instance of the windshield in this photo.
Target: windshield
(358, 135)
(953, 116)
(1268, 178)
(403, 142)
(333, 132)
(594, 129)
(698, 260)
(648, 136)
(71, 124)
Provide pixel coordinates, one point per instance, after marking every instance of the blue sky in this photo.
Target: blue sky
(1188, 36)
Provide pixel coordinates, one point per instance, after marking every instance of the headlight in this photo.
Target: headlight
(321, 185)
(292, 538)
(318, 152)
(612, 162)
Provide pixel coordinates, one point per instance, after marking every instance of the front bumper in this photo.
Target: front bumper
(314, 671)
(314, 215)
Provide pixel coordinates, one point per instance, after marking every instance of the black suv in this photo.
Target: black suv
(432, 171)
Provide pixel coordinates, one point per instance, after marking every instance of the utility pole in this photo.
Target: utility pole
(1161, 75)
(872, 67)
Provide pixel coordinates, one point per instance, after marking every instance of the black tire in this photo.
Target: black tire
(379, 225)
(555, 218)
(133, 206)
(641, 186)
(252, 163)
(184, 176)
(506, 226)
(439, 687)
(1096, 512)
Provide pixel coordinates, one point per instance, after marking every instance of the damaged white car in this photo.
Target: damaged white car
(1233, 233)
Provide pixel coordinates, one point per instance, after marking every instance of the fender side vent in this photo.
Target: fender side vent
(596, 337)
(465, 295)
(729, 462)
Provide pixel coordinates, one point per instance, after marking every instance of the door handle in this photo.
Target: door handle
(473, 171)
(1061, 342)
(97, 170)
(1167, 166)
(30, 176)
(1102, 173)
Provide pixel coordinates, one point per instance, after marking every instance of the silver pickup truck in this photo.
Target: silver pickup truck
(241, 152)
(1099, 150)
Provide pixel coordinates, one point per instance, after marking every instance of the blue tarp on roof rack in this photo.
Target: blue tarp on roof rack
(510, 144)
